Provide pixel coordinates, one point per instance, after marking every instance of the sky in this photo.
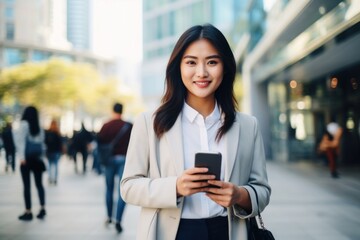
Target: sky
(117, 28)
(268, 4)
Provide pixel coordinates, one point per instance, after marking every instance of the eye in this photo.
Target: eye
(213, 62)
(190, 62)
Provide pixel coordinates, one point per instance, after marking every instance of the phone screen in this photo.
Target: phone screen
(212, 161)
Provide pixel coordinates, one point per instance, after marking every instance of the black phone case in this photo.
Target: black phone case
(212, 161)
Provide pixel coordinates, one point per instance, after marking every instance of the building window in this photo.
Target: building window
(171, 23)
(9, 13)
(14, 56)
(38, 56)
(198, 16)
(10, 31)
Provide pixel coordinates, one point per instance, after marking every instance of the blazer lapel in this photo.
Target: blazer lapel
(174, 140)
(232, 140)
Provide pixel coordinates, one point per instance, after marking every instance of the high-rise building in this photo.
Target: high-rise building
(304, 73)
(36, 30)
(164, 21)
(78, 23)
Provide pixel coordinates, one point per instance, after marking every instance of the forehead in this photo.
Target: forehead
(201, 46)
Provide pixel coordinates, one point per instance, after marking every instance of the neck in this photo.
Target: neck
(116, 116)
(204, 107)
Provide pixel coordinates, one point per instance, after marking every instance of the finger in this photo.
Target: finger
(199, 184)
(196, 170)
(216, 198)
(220, 184)
(202, 177)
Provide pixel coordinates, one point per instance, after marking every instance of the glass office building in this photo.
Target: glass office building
(24, 37)
(304, 73)
(78, 23)
(165, 20)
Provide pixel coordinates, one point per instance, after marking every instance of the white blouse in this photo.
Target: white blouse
(199, 136)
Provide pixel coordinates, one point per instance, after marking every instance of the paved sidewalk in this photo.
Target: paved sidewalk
(75, 209)
(305, 204)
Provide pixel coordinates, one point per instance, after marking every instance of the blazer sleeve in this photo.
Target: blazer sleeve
(258, 175)
(141, 183)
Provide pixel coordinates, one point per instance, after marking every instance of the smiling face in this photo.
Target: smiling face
(201, 71)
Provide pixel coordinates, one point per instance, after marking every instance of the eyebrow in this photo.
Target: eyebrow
(208, 57)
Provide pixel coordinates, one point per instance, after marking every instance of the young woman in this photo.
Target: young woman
(197, 114)
(54, 148)
(29, 130)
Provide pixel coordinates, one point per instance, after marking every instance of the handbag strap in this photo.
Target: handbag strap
(120, 134)
(257, 202)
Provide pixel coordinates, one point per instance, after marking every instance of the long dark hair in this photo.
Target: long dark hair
(175, 93)
(32, 117)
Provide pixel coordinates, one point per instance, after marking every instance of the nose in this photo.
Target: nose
(201, 71)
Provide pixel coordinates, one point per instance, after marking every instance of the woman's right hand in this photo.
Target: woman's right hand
(22, 162)
(192, 181)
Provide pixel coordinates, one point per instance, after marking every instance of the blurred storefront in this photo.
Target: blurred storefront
(304, 73)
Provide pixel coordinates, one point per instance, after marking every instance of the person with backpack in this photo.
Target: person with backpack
(30, 145)
(120, 130)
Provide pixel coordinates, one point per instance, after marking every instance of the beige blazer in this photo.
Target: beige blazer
(153, 165)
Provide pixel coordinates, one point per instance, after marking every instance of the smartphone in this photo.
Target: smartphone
(212, 161)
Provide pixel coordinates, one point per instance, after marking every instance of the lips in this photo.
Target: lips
(202, 84)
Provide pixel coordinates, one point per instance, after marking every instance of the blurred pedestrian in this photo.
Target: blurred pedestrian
(96, 161)
(9, 146)
(81, 144)
(115, 167)
(197, 114)
(330, 146)
(54, 148)
(29, 141)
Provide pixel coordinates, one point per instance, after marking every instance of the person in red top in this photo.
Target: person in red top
(116, 167)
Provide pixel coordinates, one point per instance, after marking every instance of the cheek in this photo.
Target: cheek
(186, 74)
(219, 77)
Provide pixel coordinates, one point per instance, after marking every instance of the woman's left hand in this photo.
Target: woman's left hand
(228, 194)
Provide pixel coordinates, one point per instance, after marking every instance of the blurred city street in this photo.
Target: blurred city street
(294, 67)
(75, 208)
(306, 203)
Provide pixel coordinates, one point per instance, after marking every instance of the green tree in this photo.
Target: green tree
(56, 86)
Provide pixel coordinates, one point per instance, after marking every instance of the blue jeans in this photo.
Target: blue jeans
(115, 168)
(53, 158)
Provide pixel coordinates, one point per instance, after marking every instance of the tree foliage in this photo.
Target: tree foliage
(56, 86)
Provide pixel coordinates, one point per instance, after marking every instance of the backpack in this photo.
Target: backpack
(33, 149)
(105, 150)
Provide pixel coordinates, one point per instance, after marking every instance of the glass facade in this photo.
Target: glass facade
(161, 29)
(78, 23)
(38, 56)
(10, 31)
(301, 110)
(281, 55)
(165, 21)
(14, 56)
(9, 20)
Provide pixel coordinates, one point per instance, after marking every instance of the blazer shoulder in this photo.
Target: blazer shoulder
(144, 121)
(147, 116)
(246, 118)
